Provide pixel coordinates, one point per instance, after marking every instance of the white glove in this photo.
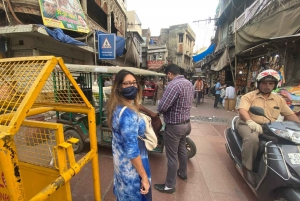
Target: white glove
(254, 126)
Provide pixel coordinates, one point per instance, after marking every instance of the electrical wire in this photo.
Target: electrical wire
(6, 11)
(13, 12)
(237, 7)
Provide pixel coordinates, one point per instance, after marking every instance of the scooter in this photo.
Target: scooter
(277, 166)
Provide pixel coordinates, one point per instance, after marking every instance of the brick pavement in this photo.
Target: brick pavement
(212, 175)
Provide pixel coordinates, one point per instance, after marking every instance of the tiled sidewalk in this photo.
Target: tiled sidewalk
(211, 173)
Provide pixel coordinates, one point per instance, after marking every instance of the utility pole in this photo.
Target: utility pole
(208, 20)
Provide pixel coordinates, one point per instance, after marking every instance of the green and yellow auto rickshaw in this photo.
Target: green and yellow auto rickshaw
(76, 125)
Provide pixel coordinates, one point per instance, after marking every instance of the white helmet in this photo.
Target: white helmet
(268, 75)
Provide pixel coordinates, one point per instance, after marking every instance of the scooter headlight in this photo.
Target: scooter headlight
(288, 134)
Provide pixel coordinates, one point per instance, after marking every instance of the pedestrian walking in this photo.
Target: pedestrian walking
(222, 94)
(131, 165)
(199, 89)
(175, 106)
(218, 88)
(230, 98)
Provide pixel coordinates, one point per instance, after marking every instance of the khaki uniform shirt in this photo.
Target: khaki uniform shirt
(273, 106)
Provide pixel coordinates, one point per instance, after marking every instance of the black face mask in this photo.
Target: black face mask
(129, 93)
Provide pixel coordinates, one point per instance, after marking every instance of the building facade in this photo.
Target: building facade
(134, 30)
(22, 35)
(253, 35)
(180, 41)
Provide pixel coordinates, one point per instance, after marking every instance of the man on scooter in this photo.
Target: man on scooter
(249, 126)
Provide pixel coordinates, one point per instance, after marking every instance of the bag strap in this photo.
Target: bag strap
(121, 112)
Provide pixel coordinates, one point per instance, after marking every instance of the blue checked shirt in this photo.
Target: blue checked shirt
(176, 102)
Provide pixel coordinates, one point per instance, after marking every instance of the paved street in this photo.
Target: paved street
(211, 173)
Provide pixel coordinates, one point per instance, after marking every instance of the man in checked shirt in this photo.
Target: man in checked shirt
(175, 106)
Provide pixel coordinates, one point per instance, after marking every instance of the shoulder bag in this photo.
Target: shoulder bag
(150, 137)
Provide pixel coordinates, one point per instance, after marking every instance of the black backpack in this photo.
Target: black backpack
(213, 90)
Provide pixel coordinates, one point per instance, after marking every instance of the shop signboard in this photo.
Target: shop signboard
(107, 46)
(198, 70)
(64, 14)
(155, 64)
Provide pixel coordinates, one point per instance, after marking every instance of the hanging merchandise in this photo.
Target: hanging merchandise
(291, 94)
(241, 77)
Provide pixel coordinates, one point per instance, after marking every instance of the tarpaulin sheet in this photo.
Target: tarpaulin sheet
(59, 35)
(132, 54)
(120, 43)
(221, 63)
(283, 23)
(202, 55)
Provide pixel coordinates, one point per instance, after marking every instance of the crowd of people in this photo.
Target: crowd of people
(132, 175)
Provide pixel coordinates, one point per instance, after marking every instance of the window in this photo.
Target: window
(180, 38)
(179, 59)
(187, 59)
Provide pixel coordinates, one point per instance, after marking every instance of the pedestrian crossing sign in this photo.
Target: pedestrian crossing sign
(107, 46)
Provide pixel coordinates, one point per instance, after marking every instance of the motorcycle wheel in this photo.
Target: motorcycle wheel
(190, 147)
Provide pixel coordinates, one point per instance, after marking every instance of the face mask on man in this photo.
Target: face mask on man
(129, 92)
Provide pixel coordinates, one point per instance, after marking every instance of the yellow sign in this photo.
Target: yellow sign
(64, 14)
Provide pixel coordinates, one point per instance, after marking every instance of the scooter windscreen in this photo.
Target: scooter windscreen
(288, 130)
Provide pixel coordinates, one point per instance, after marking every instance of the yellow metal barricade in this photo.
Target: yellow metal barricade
(36, 163)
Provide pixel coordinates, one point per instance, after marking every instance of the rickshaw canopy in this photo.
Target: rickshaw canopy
(111, 70)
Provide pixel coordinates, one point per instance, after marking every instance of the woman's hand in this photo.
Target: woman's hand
(145, 186)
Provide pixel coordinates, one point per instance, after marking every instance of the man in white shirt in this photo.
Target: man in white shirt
(230, 98)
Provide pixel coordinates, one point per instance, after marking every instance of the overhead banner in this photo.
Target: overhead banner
(64, 14)
(107, 46)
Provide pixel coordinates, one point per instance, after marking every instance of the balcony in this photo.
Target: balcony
(250, 13)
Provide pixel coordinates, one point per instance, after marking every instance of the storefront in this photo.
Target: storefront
(281, 54)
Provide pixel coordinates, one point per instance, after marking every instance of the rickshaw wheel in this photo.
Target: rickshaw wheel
(190, 147)
(77, 147)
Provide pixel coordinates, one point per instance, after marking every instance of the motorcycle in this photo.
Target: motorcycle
(277, 166)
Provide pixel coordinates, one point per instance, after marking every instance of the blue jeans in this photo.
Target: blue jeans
(199, 96)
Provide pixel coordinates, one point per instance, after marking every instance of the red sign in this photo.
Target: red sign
(155, 64)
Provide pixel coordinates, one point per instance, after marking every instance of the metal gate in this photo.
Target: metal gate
(36, 163)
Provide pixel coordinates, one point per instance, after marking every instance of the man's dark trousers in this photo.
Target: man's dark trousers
(217, 98)
(175, 143)
(199, 96)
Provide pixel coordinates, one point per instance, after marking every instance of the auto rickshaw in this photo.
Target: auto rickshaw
(76, 125)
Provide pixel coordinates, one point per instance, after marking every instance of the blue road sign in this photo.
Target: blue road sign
(107, 46)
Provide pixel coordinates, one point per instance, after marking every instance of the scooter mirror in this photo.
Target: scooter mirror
(257, 111)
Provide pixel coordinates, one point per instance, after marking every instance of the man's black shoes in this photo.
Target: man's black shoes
(161, 188)
(181, 177)
(249, 177)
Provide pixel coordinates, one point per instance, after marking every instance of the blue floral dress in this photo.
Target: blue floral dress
(127, 146)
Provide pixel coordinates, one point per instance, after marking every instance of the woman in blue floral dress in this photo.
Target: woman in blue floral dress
(132, 179)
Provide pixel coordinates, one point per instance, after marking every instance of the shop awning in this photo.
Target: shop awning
(221, 63)
(202, 55)
(280, 24)
(269, 46)
(132, 54)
